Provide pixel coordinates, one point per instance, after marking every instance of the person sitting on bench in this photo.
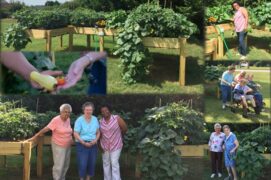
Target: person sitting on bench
(243, 93)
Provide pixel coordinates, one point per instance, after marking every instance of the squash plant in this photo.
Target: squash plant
(115, 19)
(16, 37)
(218, 15)
(43, 18)
(152, 21)
(260, 15)
(85, 17)
(160, 130)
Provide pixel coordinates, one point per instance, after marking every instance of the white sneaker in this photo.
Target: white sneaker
(223, 106)
(243, 57)
(219, 175)
(213, 175)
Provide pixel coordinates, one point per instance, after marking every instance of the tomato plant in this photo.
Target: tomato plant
(147, 20)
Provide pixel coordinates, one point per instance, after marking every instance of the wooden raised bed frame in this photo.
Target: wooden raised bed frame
(211, 47)
(48, 34)
(88, 31)
(170, 43)
(24, 149)
(220, 44)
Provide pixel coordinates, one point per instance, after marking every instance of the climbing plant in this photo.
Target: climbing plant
(147, 20)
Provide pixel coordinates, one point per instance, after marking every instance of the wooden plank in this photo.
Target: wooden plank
(27, 157)
(267, 156)
(156, 42)
(37, 33)
(101, 43)
(220, 48)
(59, 31)
(182, 62)
(40, 157)
(110, 32)
(192, 150)
(70, 41)
(61, 41)
(213, 29)
(47, 140)
(85, 30)
(10, 148)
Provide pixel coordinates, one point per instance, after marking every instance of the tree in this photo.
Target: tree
(52, 3)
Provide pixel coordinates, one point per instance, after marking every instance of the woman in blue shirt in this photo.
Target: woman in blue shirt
(86, 133)
(230, 147)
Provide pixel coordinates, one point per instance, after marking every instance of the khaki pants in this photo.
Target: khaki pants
(61, 158)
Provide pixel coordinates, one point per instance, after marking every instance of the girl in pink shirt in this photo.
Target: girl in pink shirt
(61, 141)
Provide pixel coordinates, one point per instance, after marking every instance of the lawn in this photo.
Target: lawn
(164, 73)
(215, 113)
(198, 168)
(258, 45)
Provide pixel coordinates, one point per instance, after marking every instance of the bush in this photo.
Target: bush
(213, 73)
(16, 122)
(219, 14)
(260, 15)
(85, 17)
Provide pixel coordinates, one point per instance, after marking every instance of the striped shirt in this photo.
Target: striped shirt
(239, 21)
(111, 137)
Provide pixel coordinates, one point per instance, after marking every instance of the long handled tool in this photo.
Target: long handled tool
(221, 33)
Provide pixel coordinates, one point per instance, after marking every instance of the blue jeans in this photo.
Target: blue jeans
(86, 159)
(241, 36)
(226, 93)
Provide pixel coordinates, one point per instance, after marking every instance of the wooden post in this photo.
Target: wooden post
(220, 47)
(214, 54)
(137, 166)
(48, 41)
(101, 40)
(61, 40)
(182, 62)
(27, 157)
(39, 157)
(53, 57)
(88, 41)
(70, 40)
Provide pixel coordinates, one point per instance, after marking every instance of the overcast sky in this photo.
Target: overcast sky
(37, 2)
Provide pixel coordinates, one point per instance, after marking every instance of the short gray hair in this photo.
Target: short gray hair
(86, 104)
(226, 127)
(217, 125)
(65, 106)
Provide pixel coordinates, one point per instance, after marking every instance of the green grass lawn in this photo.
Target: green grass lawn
(258, 45)
(198, 168)
(215, 113)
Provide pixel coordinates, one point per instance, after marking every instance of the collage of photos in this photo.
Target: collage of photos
(135, 89)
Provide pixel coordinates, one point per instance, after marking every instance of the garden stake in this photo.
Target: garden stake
(221, 33)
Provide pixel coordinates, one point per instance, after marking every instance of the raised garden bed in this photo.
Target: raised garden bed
(211, 47)
(170, 43)
(49, 34)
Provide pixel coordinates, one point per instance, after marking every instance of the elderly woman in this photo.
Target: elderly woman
(240, 76)
(61, 141)
(242, 93)
(215, 146)
(112, 128)
(230, 146)
(86, 133)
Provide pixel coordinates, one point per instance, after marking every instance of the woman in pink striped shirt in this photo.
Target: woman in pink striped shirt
(241, 24)
(112, 128)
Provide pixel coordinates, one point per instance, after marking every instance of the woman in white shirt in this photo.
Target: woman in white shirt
(215, 146)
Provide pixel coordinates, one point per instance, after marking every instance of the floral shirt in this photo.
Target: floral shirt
(216, 141)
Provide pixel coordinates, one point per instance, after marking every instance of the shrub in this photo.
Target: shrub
(115, 19)
(213, 73)
(16, 122)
